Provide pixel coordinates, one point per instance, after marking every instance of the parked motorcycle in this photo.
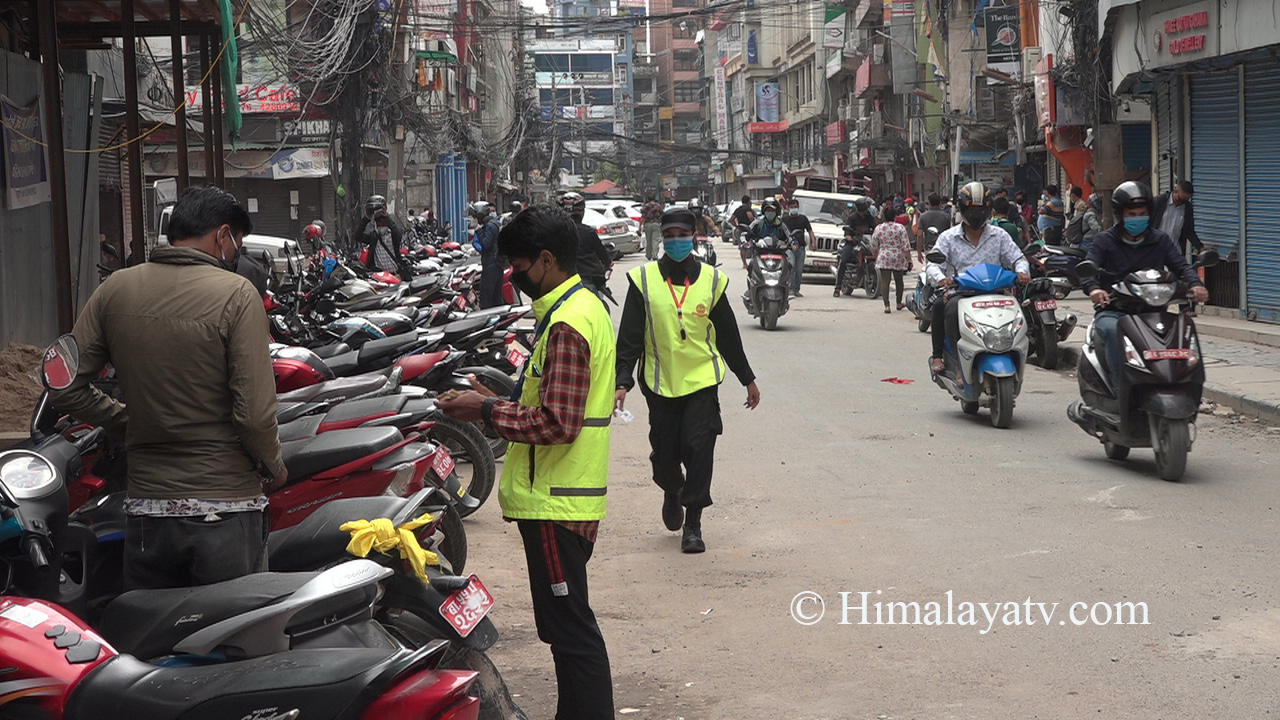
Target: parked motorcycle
(768, 281)
(1153, 400)
(921, 301)
(984, 365)
(1044, 329)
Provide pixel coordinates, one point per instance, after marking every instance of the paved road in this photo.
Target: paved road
(842, 482)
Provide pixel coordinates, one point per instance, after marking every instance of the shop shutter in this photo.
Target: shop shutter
(1215, 158)
(1167, 112)
(1262, 188)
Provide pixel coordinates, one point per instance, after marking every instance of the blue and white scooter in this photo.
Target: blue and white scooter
(984, 368)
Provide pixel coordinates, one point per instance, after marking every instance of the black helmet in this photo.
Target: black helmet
(679, 218)
(375, 203)
(746, 200)
(695, 204)
(480, 209)
(572, 201)
(974, 203)
(516, 206)
(770, 203)
(862, 204)
(1131, 194)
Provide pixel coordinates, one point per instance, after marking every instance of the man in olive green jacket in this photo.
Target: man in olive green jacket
(188, 340)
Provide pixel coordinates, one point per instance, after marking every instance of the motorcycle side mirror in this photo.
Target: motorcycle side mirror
(936, 256)
(1086, 269)
(61, 363)
(1208, 258)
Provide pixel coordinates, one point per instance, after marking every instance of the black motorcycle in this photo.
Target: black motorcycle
(1045, 329)
(768, 281)
(1153, 399)
(861, 271)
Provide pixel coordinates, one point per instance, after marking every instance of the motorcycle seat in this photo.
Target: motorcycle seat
(344, 364)
(387, 347)
(337, 389)
(464, 327)
(287, 412)
(353, 413)
(326, 451)
(317, 684)
(149, 623)
(332, 349)
(316, 541)
(300, 429)
(424, 282)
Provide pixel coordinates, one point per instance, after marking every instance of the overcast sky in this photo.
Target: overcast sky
(539, 6)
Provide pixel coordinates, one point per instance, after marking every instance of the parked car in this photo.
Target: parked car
(620, 209)
(286, 255)
(625, 237)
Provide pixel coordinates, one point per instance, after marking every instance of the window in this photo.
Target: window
(599, 96)
(551, 63)
(684, 28)
(602, 130)
(688, 91)
(684, 3)
(687, 60)
(591, 63)
(560, 97)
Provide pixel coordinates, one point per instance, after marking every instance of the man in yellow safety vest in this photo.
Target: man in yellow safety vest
(678, 324)
(555, 475)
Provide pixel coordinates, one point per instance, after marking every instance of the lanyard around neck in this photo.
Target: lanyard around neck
(680, 304)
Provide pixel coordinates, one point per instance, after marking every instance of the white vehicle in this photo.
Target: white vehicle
(286, 255)
(618, 209)
(625, 237)
(826, 213)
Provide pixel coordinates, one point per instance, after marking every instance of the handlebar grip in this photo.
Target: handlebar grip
(36, 552)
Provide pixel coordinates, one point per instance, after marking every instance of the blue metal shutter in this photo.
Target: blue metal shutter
(1137, 147)
(1215, 158)
(1262, 188)
(1166, 116)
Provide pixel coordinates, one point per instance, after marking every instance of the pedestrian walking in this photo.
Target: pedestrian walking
(678, 324)
(651, 214)
(798, 225)
(1052, 216)
(891, 242)
(555, 477)
(188, 340)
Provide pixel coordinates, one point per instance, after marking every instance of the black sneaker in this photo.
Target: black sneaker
(692, 540)
(672, 513)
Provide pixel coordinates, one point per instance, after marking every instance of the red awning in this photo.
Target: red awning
(600, 188)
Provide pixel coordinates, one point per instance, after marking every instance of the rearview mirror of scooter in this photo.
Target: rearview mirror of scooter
(60, 363)
(1208, 258)
(1086, 269)
(936, 256)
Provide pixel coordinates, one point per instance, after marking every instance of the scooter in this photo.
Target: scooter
(1044, 329)
(704, 250)
(921, 301)
(1153, 400)
(768, 282)
(985, 365)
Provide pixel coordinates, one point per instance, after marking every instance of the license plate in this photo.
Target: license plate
(467, 607)
(517, 353)
(1177, 354)
(442, 464)
(460, 303)
(1046, 305)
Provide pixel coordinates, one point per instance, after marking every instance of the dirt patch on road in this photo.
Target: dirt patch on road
(19, 389)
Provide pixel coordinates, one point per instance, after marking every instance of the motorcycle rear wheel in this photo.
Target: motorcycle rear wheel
(1173, 442)
(969, 407)
(454, 547)
(871, 282)
(923, 325)
(467, 444)
(1002, 403)
(502, 387)
(1047, 348)
(1114, 451)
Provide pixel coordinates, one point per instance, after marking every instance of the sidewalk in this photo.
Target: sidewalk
(1242, 359)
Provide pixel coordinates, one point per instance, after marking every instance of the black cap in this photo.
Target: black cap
(678, 218)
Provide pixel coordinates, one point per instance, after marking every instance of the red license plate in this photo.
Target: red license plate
(442, 464)
(980, 304)
(1046, 305)
(516, 353)
(1178, 354)
(460, 303)
(467, 607)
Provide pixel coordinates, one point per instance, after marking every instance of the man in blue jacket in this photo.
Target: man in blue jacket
(1132, 244)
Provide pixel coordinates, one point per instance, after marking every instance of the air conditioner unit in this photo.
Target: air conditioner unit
(1030, 58)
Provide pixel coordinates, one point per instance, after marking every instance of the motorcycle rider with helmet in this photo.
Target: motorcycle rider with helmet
(705, 225)
(769, 225)
(859, 222)
(974, 242)
(1132, 244)
(485, 240)
(593, 258)
(381, 234)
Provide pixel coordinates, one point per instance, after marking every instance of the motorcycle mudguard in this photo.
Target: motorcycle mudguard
(1048, 319)
(775, 292)
(1169, 404)
(997, 365)
(407, 592)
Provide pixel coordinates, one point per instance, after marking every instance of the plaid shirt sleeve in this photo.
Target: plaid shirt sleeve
(564, 395)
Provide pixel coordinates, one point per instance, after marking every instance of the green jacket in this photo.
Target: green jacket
(188, 340)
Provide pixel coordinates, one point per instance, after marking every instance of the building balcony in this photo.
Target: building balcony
(871, 76)
(644, 71)
(649, 98)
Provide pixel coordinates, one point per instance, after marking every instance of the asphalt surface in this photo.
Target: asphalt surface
(842, 482)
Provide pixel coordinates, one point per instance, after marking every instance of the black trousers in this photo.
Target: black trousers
(946, 320)
(490, 294)
(169, 552)
(682, 437)
(557, 559)
(846, 259)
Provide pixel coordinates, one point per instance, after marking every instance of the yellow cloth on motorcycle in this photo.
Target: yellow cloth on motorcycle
(566, 482)
(681, 355)
(383, 536)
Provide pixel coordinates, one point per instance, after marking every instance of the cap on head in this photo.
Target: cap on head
(678, 218)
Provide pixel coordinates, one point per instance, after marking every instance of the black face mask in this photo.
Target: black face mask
(234, 262)
(527, 285)
(975, 216)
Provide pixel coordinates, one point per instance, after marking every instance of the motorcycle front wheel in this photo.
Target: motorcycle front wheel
(769, 318)
(871, 282)
(468, 445)
(923, 325)
(1173, 442)
(1002, 403)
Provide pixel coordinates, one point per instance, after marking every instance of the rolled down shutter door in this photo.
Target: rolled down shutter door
(1262, 188)
(1166, 120)
(1215, 158)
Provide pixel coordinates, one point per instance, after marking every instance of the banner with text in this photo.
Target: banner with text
(26, 170)
(1004, 51)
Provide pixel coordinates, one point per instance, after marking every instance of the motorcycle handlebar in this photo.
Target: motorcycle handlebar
(36, 552)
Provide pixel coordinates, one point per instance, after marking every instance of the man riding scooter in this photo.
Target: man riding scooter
(858, 223)
(973, 242)
(1132, 244)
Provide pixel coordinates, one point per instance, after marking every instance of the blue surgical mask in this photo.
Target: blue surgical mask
(678, 248)
(1136, 225)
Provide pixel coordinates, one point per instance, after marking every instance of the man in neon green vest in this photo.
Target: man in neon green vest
(555, 475)
(678, 324)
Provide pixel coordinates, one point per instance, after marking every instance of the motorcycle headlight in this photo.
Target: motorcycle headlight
(1157, 295)
(26, 475)
(1195, 351)
(1131, 355)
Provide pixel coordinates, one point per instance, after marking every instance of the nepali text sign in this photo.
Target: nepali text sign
(26, 171)
(1004, 46)
(256, 99)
